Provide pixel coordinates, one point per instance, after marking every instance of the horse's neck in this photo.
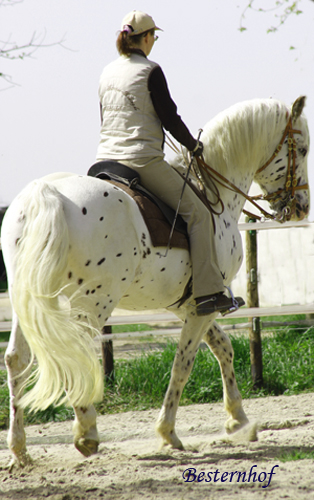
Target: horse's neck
(237, 147)
(231, 199)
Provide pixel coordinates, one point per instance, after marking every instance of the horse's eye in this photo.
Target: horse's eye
(302, 151)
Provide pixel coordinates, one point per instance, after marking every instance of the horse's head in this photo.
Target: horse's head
(284, 177)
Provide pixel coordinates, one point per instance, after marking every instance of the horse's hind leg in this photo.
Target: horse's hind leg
(221, 347)
(86, 439)
(17, 360)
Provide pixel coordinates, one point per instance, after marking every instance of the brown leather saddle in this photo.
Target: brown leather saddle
(157, 215)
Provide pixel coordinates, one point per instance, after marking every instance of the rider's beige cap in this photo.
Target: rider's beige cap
(137, 22)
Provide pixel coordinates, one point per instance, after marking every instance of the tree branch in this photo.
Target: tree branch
(280, 6)
(11, 50)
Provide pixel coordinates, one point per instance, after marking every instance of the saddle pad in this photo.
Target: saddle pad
(158, 226)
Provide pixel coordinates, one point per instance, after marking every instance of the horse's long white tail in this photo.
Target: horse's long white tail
(68, 368)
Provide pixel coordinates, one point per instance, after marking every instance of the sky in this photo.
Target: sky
(49, 118)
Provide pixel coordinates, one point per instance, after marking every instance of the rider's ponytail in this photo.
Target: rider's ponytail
(126, 42)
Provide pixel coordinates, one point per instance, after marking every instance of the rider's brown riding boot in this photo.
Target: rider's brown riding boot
(209, 304)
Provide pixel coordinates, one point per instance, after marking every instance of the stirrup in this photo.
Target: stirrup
(235, 304)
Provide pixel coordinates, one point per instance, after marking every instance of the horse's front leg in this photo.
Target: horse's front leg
(86, 439)
(221, 347)
(192, 332)
(17, 360)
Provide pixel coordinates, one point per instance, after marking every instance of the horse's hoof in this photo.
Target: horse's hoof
(19, 462)
(172, 442)
(232, 425)
(87, 447)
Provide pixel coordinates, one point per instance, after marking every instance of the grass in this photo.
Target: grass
(141, 383)
(293, 455)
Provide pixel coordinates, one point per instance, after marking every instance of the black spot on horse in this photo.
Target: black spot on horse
(87, 263)
(101, 261)
(84, 210)
(279, 177)
(79, 281)
(106, 194)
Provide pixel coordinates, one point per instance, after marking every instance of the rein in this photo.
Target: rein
(232, 187)
(291, 180)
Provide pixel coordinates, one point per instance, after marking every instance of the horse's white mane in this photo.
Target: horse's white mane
(231, 137)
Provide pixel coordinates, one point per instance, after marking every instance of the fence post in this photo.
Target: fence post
(253, 301)
(107, 356)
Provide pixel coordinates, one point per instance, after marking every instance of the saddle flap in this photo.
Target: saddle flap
(129, 180)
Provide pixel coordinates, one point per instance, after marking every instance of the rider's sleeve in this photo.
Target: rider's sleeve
(166, 109)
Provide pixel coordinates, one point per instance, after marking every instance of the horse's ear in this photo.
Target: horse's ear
(297, 108)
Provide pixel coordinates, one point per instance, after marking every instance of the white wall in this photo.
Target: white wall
(285, 267)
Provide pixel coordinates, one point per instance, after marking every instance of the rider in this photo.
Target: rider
(135, 106)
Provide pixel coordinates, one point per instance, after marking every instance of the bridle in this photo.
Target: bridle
(290, 185)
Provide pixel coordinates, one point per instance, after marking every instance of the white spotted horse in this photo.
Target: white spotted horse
(76, 247)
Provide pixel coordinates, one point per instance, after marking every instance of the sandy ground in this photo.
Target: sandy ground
(129, 465)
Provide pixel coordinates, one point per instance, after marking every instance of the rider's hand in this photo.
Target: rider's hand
(198, 151)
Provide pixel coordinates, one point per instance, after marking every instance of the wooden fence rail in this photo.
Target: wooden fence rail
(157, 318)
